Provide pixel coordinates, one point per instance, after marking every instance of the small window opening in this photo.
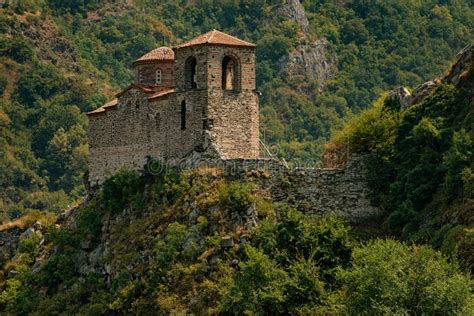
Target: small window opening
(190, 72)
(183, 115)
(229, 73)
(157, 120)
(158, 76)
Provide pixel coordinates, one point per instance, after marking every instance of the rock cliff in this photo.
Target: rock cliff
(312, 60)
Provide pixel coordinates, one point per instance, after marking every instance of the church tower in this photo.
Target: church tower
(215, 87)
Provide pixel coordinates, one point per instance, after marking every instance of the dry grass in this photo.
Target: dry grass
(46, 219)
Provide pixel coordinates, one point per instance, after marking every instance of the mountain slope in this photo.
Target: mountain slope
(419, 154)
(196, 242)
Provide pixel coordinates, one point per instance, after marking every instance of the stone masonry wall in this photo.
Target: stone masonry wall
(310, 190)
(234, 113)
(235, 123)
(123, 137)
(145, 74)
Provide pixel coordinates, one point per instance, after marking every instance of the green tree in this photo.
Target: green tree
(388, 277)
(259, 288)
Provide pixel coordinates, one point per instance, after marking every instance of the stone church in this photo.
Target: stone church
(194, 99)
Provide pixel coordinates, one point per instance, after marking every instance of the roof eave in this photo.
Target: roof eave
(253, 46)
(151, 61)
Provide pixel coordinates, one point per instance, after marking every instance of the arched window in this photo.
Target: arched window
(190, 73)
(158, 75)
(230, 75)
(183, 115)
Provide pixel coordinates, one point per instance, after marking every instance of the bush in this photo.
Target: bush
(3, 84)
(388, 277)
(237, 196)
(89, 220)
(296, 236)
(169, 247)
(259, 287)
(120, 190)
(17, 48)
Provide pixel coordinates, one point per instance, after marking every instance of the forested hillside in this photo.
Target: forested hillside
(60, 59)
(418, 149)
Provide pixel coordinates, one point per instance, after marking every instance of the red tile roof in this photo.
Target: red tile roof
(102, 109)
(136, 86)
(159, 94)
(156, 94)
(216, 38)
(160, 53)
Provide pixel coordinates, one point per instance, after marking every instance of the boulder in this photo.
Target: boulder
(401, 96)
(422, 91)
(227, 242)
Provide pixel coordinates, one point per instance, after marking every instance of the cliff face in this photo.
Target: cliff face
(311, 59)
(294, 10)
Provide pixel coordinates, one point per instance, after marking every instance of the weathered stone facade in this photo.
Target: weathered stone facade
(202, 101)
(315, 191)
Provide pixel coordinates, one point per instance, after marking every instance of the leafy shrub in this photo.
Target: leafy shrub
(3, 84)
(168, 248)
(17, 298)
(259, 287)
(89, 220)
(305, 289)
(17, 48)
(237, 196)
(388, 277)
(62, 265)
(294, 236)
(120, 190)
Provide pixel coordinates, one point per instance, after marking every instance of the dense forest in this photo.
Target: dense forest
(146, 243)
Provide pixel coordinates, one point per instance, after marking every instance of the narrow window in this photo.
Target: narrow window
(229, 73)
(190, 72)
(157, 120)
(183, 115)
(158, 76)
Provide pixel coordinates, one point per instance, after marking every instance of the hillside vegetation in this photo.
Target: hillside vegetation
(60, 59)
(420, 161)
(194, 242)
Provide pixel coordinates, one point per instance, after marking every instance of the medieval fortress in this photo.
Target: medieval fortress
(198, 99)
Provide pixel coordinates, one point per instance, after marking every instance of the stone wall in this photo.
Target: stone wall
(234, 113)
(311, 190)
(145, 73)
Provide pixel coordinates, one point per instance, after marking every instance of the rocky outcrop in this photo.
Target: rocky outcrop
(462, 72)
(461, 75)
(10, 239)
(311, 61)
(422, 91)
(400, 95)
(294, 10)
